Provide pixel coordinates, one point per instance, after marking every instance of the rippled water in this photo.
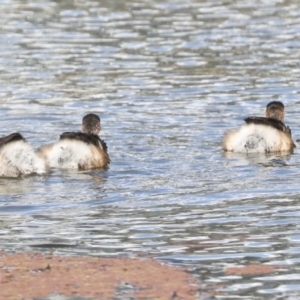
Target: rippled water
(167, 78)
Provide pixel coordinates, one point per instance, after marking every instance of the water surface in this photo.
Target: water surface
(167, 79)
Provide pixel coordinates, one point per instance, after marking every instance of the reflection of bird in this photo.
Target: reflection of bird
(18, 158)
(78, 150)
(262, 134)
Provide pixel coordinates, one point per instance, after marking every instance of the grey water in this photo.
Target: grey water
(168, 79)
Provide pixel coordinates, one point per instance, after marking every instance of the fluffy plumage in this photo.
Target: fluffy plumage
(18, 158)
(257, 138)
(78, 150)
(262, 134)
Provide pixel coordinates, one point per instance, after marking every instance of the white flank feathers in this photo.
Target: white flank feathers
(19, 158)
(68, 154)
(254, 138)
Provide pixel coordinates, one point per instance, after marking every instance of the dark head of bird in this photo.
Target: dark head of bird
(91, 124)
(275, 110)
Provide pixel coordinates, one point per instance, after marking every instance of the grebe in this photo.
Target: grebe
(18, 158)
(262, 134)
(78, 150)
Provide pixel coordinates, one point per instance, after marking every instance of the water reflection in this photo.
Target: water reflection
(263, 159)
